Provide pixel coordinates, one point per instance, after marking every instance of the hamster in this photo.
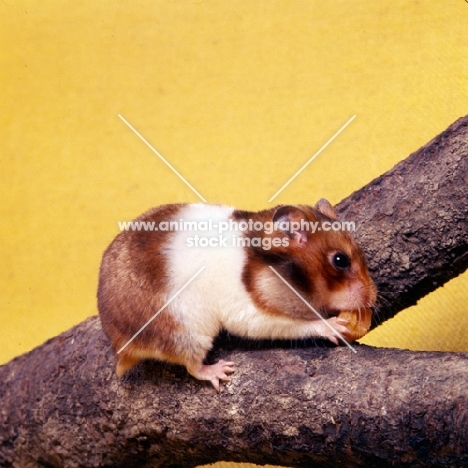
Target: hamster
(247, 259)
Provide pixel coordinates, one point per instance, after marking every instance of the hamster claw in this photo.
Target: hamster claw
(342, 321)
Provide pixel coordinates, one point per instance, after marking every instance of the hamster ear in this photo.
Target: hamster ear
(288, 220)
(325, 208)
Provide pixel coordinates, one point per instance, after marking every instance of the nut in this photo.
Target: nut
(359, 322)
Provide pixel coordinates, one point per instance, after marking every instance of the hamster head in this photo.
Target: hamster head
(326, 267)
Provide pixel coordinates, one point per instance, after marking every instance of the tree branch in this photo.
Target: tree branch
(293, 404)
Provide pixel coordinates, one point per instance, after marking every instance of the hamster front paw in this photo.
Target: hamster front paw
(339, 325)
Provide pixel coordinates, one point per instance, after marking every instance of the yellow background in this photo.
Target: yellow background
(237, 95)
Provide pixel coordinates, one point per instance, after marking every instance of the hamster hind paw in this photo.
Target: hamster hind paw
(214, 372)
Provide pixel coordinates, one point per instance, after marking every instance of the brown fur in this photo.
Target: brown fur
(133, 286)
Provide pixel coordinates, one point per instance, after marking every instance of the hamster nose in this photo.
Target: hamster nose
(370, 293)
(364, 293)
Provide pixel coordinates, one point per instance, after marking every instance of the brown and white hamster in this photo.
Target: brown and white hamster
(237, 290)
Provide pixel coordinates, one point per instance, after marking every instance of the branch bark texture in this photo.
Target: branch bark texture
(63, 406)
(291, 404)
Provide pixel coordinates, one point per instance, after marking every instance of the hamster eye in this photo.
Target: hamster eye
(341, 261)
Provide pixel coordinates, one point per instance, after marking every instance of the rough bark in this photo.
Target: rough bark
(62, 406)
(292, 404)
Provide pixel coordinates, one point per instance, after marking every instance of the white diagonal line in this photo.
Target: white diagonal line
(340, 336)
(161, 309)
(312, 158)
(162, 158)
